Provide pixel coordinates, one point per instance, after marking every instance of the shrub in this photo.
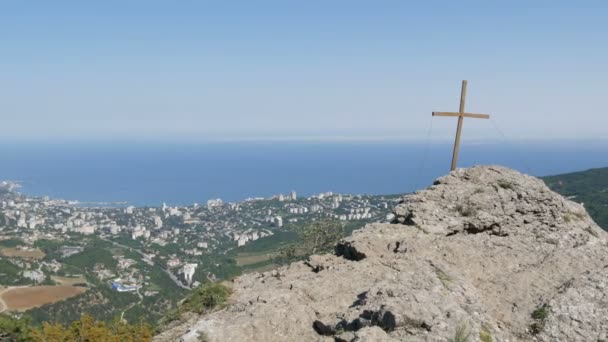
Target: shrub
(206, 297)
(506, 184)
(539, 315)
(14, 329)
(485, 335)
(462, 333)
(466, 210)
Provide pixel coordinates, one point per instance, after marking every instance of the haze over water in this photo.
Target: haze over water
(182, 174)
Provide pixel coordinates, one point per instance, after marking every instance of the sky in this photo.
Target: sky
(310, 70)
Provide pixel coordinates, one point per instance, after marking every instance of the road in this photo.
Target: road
(150, 262)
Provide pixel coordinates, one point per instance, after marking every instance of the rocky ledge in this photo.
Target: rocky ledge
(484, 254)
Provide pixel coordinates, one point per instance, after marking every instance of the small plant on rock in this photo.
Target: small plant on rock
(506, 184)
(466, 210)
(485, 335)
(539, 315)
(462, 333)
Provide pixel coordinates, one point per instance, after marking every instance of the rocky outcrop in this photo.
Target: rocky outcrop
(485, 252)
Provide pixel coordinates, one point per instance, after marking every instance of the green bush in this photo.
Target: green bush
(14, 329)
(539, 315)
(206, 297)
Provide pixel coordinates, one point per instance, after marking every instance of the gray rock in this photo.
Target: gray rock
(477, 252)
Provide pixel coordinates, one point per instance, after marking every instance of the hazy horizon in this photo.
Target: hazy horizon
(318, 70)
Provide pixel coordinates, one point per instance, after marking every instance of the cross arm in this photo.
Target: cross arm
(466, 115)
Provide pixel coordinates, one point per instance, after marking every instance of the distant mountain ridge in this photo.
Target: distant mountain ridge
(589, 187)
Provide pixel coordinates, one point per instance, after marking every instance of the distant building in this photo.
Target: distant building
(123, 288)
(158, 222)
(214, 203)
(278, 221)
(67, 251)
(188, 271)
(174, 262)
(293, 195)
(34, 275)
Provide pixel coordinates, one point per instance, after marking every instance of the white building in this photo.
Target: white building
(214, 203)
(188, 271)
(34, 275)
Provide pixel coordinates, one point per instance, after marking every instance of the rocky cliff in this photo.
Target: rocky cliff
(484, 254)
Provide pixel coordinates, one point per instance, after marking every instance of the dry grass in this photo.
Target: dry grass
(68, 280)
(12, 252)
(244, 259)
(24, 298)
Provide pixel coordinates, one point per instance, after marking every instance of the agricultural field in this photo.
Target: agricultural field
(68, 280)
(24, 298)
(245, 259)
(2, 305)
(13, 252)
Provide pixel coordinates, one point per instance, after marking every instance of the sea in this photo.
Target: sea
(149, 174)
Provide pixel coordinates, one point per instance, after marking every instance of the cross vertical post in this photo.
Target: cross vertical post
(463, 95)
(461, 115)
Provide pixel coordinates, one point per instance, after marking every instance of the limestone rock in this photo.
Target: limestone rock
(481, 251)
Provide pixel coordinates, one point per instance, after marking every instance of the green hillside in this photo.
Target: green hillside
(589, 187)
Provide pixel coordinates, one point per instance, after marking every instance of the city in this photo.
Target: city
(144, 259)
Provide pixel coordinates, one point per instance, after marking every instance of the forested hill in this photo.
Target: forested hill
(589, 187)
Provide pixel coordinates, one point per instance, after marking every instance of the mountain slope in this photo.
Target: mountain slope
(485, 253)
(589, 187)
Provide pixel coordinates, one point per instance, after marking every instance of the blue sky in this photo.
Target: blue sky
(231, 70)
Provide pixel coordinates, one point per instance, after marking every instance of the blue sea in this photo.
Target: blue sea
(148, 174)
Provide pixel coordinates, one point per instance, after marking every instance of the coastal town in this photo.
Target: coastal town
(48, 240)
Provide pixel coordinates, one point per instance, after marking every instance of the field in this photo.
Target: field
(13, 252)
(23, 298)
(244, 259)
(68, 280)
(2, 305)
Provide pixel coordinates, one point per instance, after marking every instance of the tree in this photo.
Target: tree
(87, 329)
(14, 329)
(321, 236)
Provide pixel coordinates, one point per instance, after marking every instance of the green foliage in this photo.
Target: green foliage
(91, 256)
(589, 187)
(321, 236)
(539, 315)
(206, 297)
(14, 329)
(12, 242)
(10, 274)
(50, 248)
(88, 329)
(462, 333)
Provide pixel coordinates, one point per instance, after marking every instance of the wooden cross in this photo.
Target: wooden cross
(461, 115)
